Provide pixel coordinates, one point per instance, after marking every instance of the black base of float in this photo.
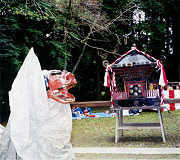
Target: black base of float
(137, 102)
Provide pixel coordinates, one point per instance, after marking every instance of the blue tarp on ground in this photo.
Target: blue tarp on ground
(97, 115)
(103, 115)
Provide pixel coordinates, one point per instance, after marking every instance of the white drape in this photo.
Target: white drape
(40, 129)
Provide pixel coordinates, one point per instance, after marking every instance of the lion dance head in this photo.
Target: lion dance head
(57, 85)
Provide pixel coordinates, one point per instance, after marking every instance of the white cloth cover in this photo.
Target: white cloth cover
(40, 129)
(1, 130)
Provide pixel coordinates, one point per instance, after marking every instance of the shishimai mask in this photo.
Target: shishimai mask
(57, 85)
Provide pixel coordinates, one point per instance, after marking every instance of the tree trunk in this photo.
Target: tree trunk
(98, 82)
(79, 59)
(84, 47)
(175, 44)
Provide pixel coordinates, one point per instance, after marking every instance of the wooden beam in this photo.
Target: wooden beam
(91, 104)
(108, 103)
(171, 100)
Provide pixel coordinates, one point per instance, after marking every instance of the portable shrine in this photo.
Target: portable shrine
(135, 79)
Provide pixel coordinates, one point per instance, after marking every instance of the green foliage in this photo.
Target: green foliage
(25, 25)
(154, 32)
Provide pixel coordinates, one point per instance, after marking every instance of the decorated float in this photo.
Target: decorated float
(135, 79)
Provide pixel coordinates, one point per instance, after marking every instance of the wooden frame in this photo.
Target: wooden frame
(120, 126)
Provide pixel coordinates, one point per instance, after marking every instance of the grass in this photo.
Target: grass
(101, 132)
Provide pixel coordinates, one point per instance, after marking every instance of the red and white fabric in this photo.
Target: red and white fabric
(107, 78)
(162, 78)
(172, 94)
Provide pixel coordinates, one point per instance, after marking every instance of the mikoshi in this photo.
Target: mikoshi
(135, 79)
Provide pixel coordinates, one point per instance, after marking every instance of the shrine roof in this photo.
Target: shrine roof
(133, 58)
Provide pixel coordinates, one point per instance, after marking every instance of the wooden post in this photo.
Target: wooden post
(121, 122)
(161, 124)
(117, 124)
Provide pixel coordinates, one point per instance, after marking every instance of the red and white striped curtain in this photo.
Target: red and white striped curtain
(172, 94)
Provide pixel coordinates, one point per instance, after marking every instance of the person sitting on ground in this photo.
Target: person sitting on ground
(169, 87)
(177, 87)
(151, 86)
(76, 112)
(87, 112)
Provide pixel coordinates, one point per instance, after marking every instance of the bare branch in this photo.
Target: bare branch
(97, 48)
(115, 19)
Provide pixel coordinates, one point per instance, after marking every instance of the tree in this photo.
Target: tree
(25, 25)
(158, 34)
(93, 33)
